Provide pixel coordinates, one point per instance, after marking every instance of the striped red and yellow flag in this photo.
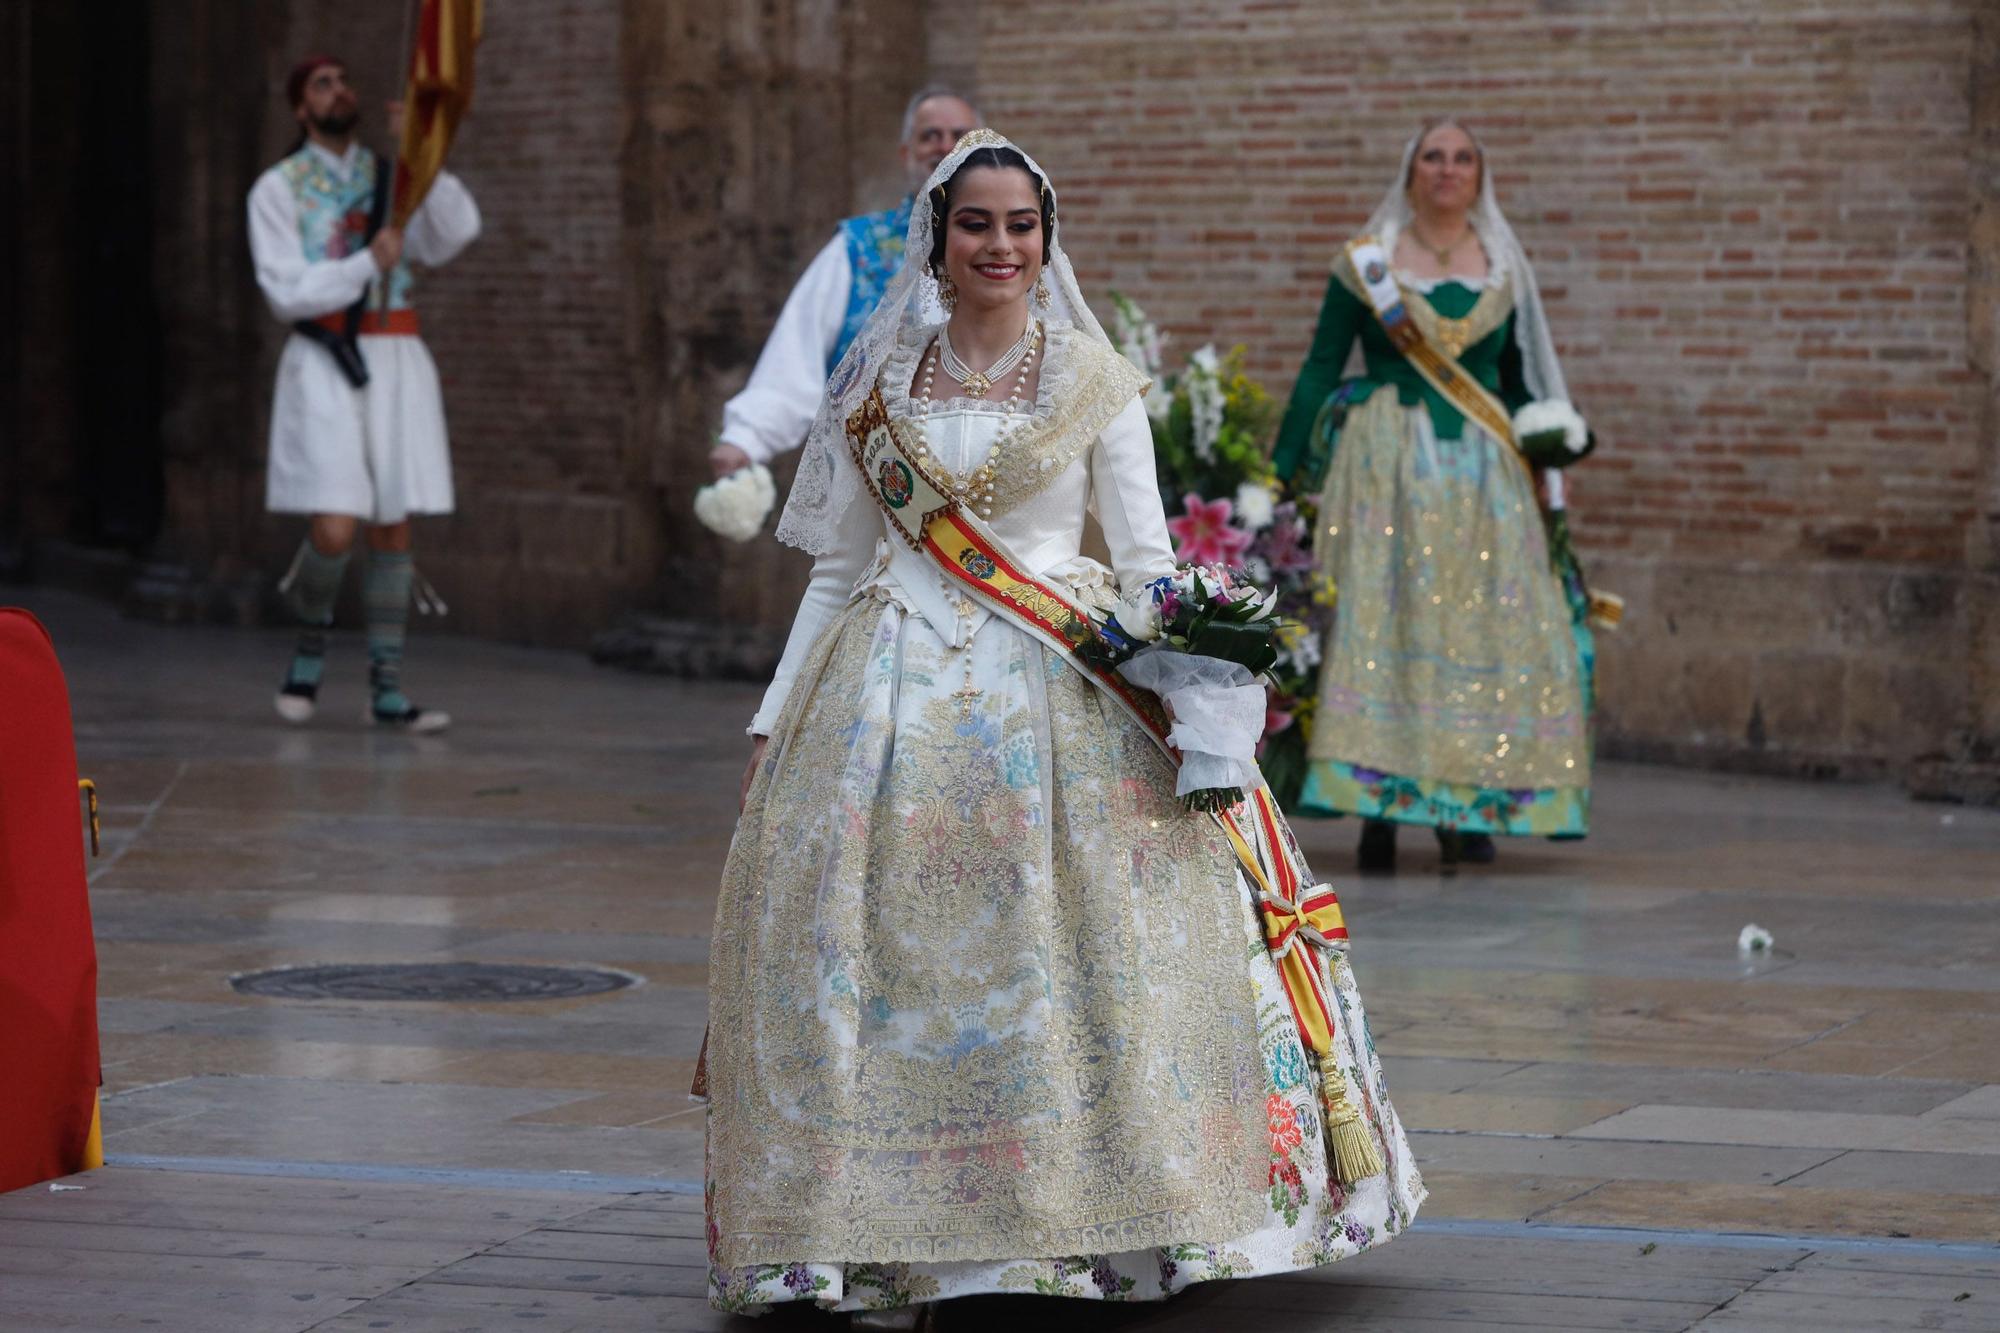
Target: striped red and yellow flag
(437, 97)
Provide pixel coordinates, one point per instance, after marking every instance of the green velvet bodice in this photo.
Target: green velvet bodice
(1495, 361)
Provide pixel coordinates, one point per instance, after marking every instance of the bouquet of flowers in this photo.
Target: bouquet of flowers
(1211, 437)
(736, 506)
(1552, 434)
(1199, 639)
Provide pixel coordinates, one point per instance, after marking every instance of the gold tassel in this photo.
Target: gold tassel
(1355, 1156)
(1607, 609)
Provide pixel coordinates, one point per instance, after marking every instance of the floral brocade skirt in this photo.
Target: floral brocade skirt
(1456, 681)
(991, 1013)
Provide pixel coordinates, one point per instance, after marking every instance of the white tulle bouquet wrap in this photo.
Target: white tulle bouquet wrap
(737, 505)
(1199, 639)
(1551, 433)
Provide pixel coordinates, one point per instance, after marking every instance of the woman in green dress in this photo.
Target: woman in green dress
(1455, 686)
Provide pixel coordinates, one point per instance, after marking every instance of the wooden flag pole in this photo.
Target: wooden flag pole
(408, 48)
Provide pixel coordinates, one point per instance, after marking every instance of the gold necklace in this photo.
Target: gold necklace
(1443, 256)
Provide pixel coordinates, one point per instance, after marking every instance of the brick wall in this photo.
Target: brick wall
(1768, 237)
(1752, 229)
(531, 330)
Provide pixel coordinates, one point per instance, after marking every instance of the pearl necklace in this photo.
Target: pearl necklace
(978, 384)
(976, 491)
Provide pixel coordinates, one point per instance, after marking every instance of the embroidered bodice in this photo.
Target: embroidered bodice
(1054, 468)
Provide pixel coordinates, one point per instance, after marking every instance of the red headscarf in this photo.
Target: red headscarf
(295, 82)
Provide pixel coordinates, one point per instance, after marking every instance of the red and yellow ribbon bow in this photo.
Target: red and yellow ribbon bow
(1294, 920)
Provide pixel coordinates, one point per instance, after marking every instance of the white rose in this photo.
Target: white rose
(1255, 505)
(1549, 416)
(736, 506)
(1138, 616)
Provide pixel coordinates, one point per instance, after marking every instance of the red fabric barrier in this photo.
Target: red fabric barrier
(48, 961)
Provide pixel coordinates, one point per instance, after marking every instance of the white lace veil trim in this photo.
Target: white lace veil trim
(1504, 255)
(827, 482)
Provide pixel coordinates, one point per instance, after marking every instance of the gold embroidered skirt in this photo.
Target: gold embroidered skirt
(982, 990)
(1454, 687)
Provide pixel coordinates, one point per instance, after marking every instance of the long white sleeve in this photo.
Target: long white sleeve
(1125, 495)
(776, 407)
(443, 225)
(294, 288)
(833, 577)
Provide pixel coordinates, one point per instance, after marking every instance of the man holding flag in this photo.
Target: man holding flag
(357, 422)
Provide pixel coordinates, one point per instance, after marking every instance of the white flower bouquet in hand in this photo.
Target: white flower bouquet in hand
(1552, 434)
(736, 506)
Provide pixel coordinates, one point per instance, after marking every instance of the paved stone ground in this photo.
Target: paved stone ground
(1624, 1123)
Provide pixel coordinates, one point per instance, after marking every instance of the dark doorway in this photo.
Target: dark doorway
(80, 349)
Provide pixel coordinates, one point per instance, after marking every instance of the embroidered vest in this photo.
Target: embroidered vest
(874, 253)
(333, 216)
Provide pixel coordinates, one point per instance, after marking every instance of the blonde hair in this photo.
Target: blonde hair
(1430, 127)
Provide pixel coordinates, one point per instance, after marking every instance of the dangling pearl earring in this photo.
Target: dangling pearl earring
(1042, 290)
(947, 292)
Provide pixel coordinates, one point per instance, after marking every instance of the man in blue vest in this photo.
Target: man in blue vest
(357, 421)
(834, 299)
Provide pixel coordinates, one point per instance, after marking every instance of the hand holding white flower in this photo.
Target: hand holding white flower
(736, 506)
(1550, 423)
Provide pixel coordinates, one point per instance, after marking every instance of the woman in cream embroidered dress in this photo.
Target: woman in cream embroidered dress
(990, 1011)
(1455, 685)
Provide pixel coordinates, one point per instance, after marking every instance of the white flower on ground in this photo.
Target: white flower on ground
(1139, 615)
(1255, 505)
(736, 506)
(1754, 939)
(1547, 418)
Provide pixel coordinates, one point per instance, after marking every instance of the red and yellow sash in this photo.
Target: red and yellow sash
(1296, 919)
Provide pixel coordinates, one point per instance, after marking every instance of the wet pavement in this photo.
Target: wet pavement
(1571, 1034)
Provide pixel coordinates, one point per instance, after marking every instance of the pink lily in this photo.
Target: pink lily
(1205, 535)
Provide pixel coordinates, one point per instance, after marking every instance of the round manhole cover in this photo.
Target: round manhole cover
(478, 982)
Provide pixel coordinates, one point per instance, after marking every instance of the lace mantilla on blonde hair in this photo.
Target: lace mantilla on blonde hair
(1507, 260)
(827, 483)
